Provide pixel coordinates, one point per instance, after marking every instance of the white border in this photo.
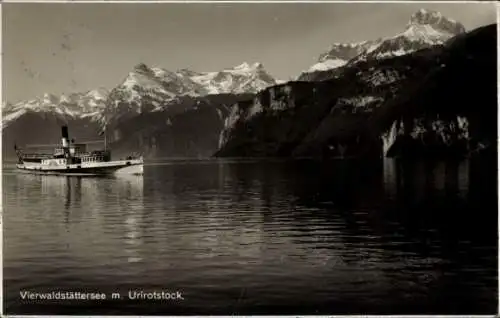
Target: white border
(251, 1)
(240, 2)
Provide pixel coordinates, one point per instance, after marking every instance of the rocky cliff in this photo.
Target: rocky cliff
(187, 128)
(438, 98)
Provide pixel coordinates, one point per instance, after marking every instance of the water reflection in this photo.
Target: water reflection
(380, 237)
(424, 177)
(131, 192)
(87, 202)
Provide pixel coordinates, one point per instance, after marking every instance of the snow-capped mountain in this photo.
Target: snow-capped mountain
(152, 89)
(339, 54)
(76, 105)
(425, 28)
(244, 78)
(144, 89)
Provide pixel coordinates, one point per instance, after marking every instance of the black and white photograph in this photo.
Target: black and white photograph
(264, 158)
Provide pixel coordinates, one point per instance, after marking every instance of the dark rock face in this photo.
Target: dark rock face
(189, 128)
(458, 97)
(251, 128)
(308, 118)
(428, 98)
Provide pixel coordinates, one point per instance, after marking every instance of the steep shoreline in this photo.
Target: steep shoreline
(418, 104)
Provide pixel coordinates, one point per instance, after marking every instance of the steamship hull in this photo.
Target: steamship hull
(134, 166)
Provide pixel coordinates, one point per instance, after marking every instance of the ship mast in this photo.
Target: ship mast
(105, 140)
(105, 131)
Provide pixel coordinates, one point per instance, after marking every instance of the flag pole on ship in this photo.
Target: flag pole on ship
(105, 132)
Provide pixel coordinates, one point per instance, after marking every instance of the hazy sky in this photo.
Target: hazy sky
(60, 48)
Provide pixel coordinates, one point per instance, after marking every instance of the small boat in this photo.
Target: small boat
(72, 158)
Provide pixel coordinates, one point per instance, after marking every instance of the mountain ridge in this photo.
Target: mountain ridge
(157, 86)
(424, 29)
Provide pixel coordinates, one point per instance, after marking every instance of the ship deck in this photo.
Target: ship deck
(133, 166)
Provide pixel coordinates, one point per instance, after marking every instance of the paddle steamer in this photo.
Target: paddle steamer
(73, 158)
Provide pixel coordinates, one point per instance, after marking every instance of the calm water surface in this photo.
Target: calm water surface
(249, 237)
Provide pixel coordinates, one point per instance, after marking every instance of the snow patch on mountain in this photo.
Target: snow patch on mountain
(12, 116)
(339, 54)
(360, 101)
(327, 65)
(425, 28)
(243, 78)
(76, 105)
(377, 77)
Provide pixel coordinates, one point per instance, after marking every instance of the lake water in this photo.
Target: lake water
(257, 237)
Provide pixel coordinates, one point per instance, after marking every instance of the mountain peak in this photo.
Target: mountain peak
(142, 68)
(424, 29)
(436, 20)
(245, 66)
(49, 98)
(257, 65)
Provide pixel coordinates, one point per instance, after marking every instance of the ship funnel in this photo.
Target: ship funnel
(65, 136)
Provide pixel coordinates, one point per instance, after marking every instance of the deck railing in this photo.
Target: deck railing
(37, 155)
